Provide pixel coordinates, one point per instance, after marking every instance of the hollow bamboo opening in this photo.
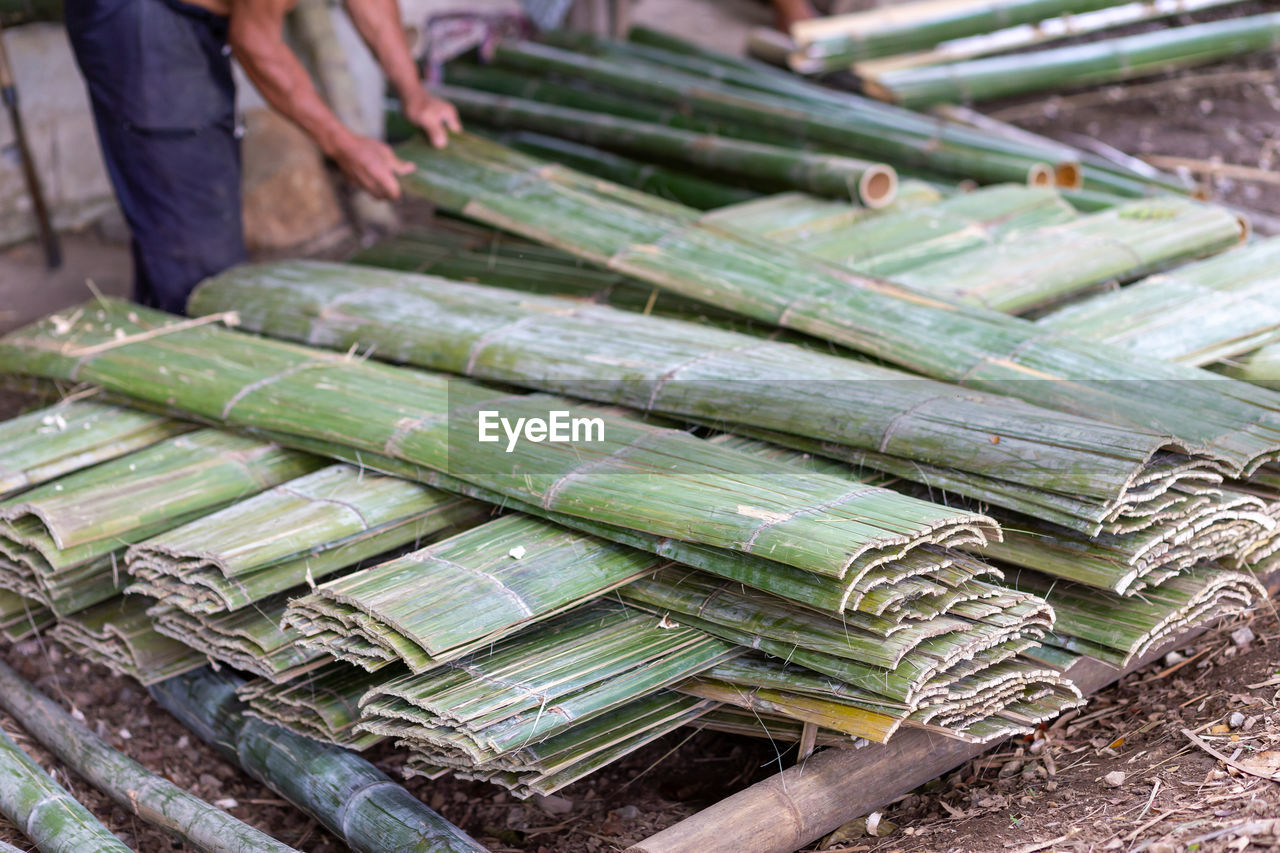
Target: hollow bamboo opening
(878, 186)
(1040, 175)
(1068, 175)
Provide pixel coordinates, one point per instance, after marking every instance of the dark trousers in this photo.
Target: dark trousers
(159, 79)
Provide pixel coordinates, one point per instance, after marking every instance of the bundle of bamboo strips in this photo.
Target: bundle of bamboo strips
(902, 240)
(346, 794)
(1094, 470)
(371, 409)
(453, 598)
(250, 639)
(119, 635)
(43, 809)
(1233, 423)
(548, 766)
(1078, 65)
(46, 444)
(323, 704)
(298, 532)
(536, 686)
(1196, 314)
(872, 184)
(21, 617)
(1119, 629)
(62, 543)
(1028, 255)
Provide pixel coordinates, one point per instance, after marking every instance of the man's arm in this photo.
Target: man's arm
(379, 24)
(256, 35)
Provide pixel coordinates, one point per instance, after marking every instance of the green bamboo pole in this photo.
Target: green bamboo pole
(1098, 173)
(678, 186)
(819, 123)
(350, 797)
(873, 184)
(833, 42)
(1079, 65)
(147, 795)
(44, 811)
(1035, 34)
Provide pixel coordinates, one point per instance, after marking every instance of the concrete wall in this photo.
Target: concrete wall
(55, 111)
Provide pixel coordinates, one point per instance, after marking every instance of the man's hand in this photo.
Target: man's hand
(435, 116)
(371, 165)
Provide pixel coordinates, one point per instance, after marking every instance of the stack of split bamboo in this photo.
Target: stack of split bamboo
(804, 502)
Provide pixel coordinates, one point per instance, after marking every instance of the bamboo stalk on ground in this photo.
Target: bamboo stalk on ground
(44, 811)
(982, 349)
(147, 795)
(350, 797)
(872, 184)
(1079, 65)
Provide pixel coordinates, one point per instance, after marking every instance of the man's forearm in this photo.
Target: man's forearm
(379, 24)
(258, 42)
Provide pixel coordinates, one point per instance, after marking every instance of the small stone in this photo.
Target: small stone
(554, 805)
(210, 782)
(1174, 658)
(628, 813)
(125, 734)
(1114, 779)
(1236, 720)
(1161, 847)
(873, 824)
(1242, 636)
(226, 803)
(183, 742)
(1010, 768)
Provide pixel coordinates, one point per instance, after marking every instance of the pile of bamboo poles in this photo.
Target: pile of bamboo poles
(937, 51)
(664, 102)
